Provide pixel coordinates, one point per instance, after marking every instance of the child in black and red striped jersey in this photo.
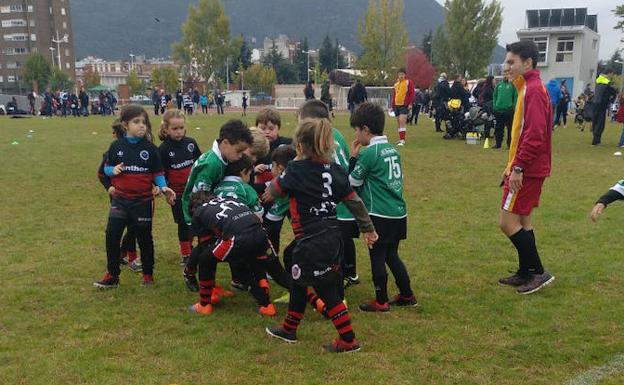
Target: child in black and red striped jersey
(133, 163)
(128, 243)
(315, 186)
(178, 152)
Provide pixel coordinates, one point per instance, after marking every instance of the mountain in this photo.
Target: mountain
(113, 29)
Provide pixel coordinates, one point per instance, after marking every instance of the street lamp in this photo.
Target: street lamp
(242, 75)
(132, 62)
(52, 49)
(308, 67)
(159, 36)
(58, 42)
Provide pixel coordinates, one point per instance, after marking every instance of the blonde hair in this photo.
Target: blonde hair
(260, 145)
(166, 119)
(315, 139)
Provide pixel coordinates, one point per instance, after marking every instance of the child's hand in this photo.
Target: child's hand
(266, 196)
(597, 210)
(170, 195)
(111, 191)
(356, 146)
(260, 168)
(118, 169)
(370, 238)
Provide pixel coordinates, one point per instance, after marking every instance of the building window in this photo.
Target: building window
(33, 37)
(11, 79)
(1, 79)
(66, 51)
(32, 23)
(5, 9)
(594, 44)
(63, 11)
(16, 37)
(30, 8)
(13, 23)
(12, 65)
(67, 65)
(16, 8)
(16, 51)
(565, 49)
(542, 47)
(64, 25)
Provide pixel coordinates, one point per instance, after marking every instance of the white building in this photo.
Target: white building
(568, 43)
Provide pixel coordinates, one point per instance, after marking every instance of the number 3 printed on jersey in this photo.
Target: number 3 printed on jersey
(394, 167)
(327, 181)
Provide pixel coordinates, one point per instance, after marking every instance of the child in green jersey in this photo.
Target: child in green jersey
(234, 139)
(378, 178)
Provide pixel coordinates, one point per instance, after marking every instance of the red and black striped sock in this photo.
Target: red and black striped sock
(292, 320)
(312, 298)
(205, 291)
(342, 322)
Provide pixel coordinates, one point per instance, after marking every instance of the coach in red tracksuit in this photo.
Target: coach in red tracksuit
(528, 166)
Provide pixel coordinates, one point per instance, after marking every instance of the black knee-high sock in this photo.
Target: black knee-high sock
(534, 261)
(522, 241)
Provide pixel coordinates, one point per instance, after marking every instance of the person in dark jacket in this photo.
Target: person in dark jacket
(603, 96)
(562, 106)
(440, 97)
(358, 95)
(84, 102)
(308, 91)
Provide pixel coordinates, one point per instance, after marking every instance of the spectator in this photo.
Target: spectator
(603, 96)
(439, 98)
(562, 106)
(504, 103)
(308, 91)
(84, 102)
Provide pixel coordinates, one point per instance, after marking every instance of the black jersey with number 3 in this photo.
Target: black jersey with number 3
(314, 189)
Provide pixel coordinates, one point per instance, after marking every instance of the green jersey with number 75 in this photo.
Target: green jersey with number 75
(378, 178)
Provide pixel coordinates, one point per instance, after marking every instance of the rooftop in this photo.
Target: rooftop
(561, 17)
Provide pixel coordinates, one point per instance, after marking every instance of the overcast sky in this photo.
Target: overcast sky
(514, 19)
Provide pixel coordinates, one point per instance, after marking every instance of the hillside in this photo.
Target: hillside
(115, 28)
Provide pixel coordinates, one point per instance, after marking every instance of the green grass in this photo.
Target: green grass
(55, 328)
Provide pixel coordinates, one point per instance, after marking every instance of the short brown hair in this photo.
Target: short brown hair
(268, 114)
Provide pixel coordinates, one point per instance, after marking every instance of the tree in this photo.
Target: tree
(286, 72)
(90, 78)
(37, 71)
(327, 55)
(205, 38)
(244, 54)
(301, 60)
(165, 77)
(259, 78)
(619, 12)
(137, 87)
(469, 35)
(383, 37)
(60, 80)
(418, 68)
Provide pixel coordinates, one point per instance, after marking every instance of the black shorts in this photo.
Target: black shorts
(316, 258)
(248, 247)
(349, 229)
(138, 213)
(390, 229)
(176, 210)
(400, 110)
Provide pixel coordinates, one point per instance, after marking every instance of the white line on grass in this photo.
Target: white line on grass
(595, 375)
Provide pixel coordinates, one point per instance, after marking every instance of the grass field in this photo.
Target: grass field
(55, 328)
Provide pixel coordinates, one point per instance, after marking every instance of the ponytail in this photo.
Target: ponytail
(315, 138)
